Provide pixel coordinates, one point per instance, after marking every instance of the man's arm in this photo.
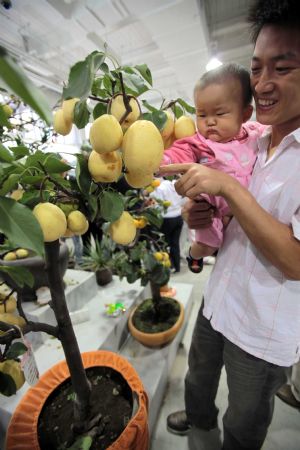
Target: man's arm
(272, 238)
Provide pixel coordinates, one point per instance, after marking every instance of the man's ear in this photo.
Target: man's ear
(247, 113)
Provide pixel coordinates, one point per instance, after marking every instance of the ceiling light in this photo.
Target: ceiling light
(213, 63)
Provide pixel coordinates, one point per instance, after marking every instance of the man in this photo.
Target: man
(250, 318)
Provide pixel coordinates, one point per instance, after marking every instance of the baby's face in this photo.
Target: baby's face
(219, 110)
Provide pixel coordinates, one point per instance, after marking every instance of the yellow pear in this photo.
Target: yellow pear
(7, 110)
(123, 230)
(52, 221)
(17, 194)
(82, 230)
(13, 368)
(139, 179)
(106, 134)
(68, 109)
(168, 126)
(117, 109)
(76, 221)
(10, 256)
(169, 141)
(10, 304)
(22, 253)
(142, 147)
(184, 127)
(105, 167)
(60, 125)
(11, 319)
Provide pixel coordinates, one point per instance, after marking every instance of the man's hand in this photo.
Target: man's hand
(197, 214)
(197, 179)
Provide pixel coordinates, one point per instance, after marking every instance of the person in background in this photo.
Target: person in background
(173, 222)
(224, 141)
(289, 393)
(250, 317)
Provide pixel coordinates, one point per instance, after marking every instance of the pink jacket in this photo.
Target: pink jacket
(236, 157)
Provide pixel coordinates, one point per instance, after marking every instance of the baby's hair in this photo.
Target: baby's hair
(285, 13)
(226, 72)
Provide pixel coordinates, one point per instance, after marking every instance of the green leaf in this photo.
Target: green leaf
(32, 179)
(83, 176)
(7, 385)
(20, 275)
(190, 109)
(111, 205)
(104, 67)
(9, 184)
(36, 159)
(82, 443)
(19, 151)
(53, 164)
(20, 84)
(93, 207)
(99, 110)
(15, 350)
(80, 80)
(5, 155)
(159, 118)
(145, 72)
(148, 106)
(178, 111)
(81, 114)
(97, 60)
(20, 226)
(3, 118)
(134, 83)
(153, 217)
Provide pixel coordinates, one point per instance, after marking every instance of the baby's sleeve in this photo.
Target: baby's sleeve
(182, 151)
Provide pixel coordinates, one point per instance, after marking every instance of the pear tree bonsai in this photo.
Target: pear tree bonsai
(100, 91)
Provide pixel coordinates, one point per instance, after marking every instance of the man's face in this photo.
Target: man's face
(275, 78)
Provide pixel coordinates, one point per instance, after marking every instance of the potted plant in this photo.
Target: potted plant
(36, 221)
(97, 257)
(158, 318)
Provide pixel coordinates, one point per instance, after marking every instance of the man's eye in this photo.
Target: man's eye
(221, 113)
(201, 115)
(255, 70)
(282, 69)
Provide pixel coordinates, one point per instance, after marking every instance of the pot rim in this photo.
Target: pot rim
(162, 334)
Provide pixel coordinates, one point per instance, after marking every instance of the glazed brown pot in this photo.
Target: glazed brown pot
(37, 266)
(22, 430)
(156, 339)
(103, 276)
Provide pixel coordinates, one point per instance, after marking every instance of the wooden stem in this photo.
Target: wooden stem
(80, 383)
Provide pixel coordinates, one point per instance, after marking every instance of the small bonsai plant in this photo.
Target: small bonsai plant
(105, 93)
(97, 257)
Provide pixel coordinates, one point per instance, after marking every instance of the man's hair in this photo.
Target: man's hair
(226, 72)
(285, 13)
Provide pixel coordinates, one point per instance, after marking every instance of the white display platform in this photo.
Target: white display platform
(98, 331)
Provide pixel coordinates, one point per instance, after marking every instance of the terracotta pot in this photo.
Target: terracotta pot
(22, 429)
(36, 265)
(156, 339)
(103, 276)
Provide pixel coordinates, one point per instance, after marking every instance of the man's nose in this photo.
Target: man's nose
(264, 83)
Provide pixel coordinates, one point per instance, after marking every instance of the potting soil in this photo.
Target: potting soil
(111, 396)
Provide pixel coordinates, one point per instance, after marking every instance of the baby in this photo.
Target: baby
(224, 141)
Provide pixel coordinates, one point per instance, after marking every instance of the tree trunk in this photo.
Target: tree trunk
(80, 383)
(156, 297)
